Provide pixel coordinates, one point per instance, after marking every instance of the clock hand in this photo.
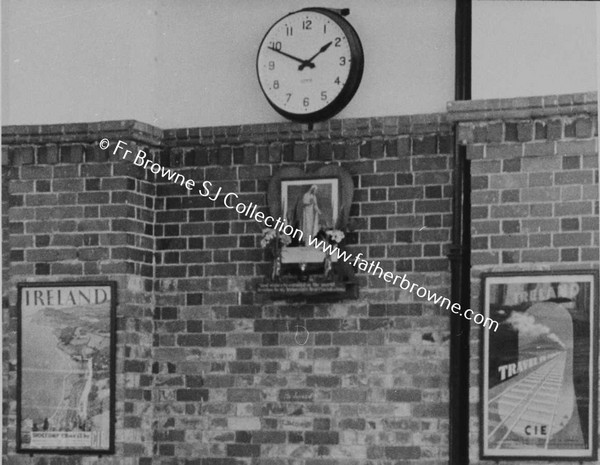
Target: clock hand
(303, 62)
(309, 61)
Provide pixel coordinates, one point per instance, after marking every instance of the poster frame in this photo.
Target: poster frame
(110, 449)
(590, 454)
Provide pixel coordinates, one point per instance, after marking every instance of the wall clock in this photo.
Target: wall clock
(310, 64)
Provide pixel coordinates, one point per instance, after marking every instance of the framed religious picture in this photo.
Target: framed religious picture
(66, 367)
(310, 205)
(539, 372)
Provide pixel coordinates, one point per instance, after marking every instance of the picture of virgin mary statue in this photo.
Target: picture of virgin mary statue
(309, 218)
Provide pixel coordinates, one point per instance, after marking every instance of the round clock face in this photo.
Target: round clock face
(310, 64)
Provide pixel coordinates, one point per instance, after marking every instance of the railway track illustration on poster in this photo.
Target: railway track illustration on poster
(539, 377)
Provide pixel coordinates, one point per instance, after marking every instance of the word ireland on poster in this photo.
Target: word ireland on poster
(539, 386)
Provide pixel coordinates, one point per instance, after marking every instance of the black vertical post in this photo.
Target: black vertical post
(460, 259)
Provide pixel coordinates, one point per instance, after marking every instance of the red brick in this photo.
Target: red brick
(485, 227)
(573, 208)
(92, 254)
(539, 149)
(590, 192)
(591, 254)
(484, 197)
(577, 147)
(403, 395)
(71, 154)
(402, 164)
(538, 225)
(554, 129)
(66, 171)
(67, 185)
(509, 241)
(403, 453)
(589, 224)
(431, 410)
(475, 151)
(508, 181)
(439, 162)
(37, 200)
(509, 211)
(541, 179)
(244, 395)
(22, 155)
(20, 187)
(485, 258)
(541, 163)
(525, 131)
(589, 162)
(47, 154)
(569, 193)
(485, 166)
(540, 209)
(99, 170)
(424, 145)
(574, 177)
(221, 298)
(540, 255)
(20, 214)
(572, 239)
(583, 128)
(36, 172)
(349, 338)
(50, 255)
(494, 132)
(501, 151)
(348, 395)
(540, 194)
(59, 212)
(192, 395)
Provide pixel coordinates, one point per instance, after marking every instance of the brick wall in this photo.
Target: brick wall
(534, 167)
(71, 213)
(209, 372)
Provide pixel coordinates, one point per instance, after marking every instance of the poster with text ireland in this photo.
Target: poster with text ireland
(540, 368)
(66, 356)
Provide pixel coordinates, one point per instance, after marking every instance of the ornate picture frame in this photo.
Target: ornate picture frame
(316, 206)
(539, 370)
(66, 367)
(310, 204)
(345, 189)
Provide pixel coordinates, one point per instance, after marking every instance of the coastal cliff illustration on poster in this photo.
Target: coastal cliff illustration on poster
(66, 360)
(539, 393)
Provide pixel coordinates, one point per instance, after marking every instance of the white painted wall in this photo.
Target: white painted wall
(526, 48)
(77, 61)
(183, 63)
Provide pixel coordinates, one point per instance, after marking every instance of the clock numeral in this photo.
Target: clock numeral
(275, 45)
(323, 95)
(306, 102)
(324, 28)
(289, 31)
(276, 84)
(271, 65)
(337, 41)
(307, 24)
(337, 80)
(342, 61)
(288, 97)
